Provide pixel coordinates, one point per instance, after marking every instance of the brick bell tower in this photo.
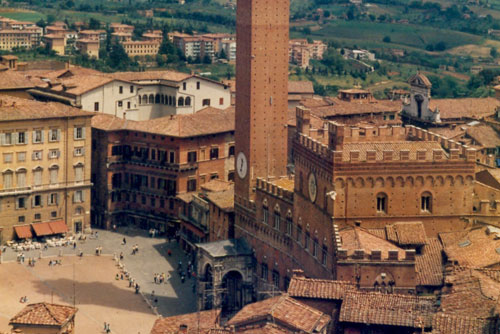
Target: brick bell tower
(262, 34)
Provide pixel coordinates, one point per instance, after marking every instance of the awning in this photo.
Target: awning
(23, 232)
(42, 229)
(194, 229)
(58, 227)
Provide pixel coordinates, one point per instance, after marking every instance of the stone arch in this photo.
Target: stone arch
(419, 181)
(360, 183)
(187, 102)
(459, 180)
(410, 181)
(468, 180)
(429, 180)
(350, 182)
(390, 181)
(400, 182)
(145, 99)
(449, 180)
(162, 99)
(140, 100)
(151, 99)
(379, 182)
(339, 183)
(180, 103)
(439, 180)
(157, 98)
(370, 182)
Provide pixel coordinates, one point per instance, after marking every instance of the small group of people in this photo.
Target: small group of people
(106, 328)
(20, 257)
(153, 232)
(24, 299)
(55, 262)
(135, 249)
(98, 250)
(31, 261)
(160, 278)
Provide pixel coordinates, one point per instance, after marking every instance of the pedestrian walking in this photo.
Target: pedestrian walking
(121, 255)
(97, 251)
(74, 244)
(169, 252)
(124, 241)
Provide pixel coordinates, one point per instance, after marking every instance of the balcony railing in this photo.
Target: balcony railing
(163, 164)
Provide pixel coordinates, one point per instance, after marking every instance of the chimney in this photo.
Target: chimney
(376, 254)
(298, 273)
(393, 255)
(342, 253)
(359, 254)
(410, 255)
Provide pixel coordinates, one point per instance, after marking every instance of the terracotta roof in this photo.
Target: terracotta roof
(44, 314)
(205, 122)
(80, 84)
(471, 293)
(429, 264)
(444, 323)
(223, 199)
(354, 91)
(449, 132)
(374, 308)
(476, 249)
(284, 182)
(217, 185)
(152, 75)
(406, 233)
(471, 108)
(485, 135)
(266, 328)
(186, 197)
(282, 310)
(16, 80)
(357, 238)
(13, 108)
(396, 147)
(90, 32)
(300, 87)
(318, 288)
(206, 320)
(354, 107)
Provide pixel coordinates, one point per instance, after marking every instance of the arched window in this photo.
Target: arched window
(170, 100)
(265, 212)
(188, 101)
(163, 99)
(21, 178)
(54, 174)
(145, 99)
(277, 217)
(157, 99)
(7, 179)
(79, 172)
(181, 101)
(140, 100)
(174, 100)
(426, 202)
(37, 176)
(151, 99)
(382, 203)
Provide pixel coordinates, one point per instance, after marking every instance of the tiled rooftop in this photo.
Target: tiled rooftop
(44, 314)
(474, 108)
(429, 264)
(282, 310)
(406, 233)
(13, 108)
(200, 323)
(357, 238)
(374, 308)
(396, 147)
(318, 288)
(444, 323)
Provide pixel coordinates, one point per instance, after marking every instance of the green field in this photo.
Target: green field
(22, 16)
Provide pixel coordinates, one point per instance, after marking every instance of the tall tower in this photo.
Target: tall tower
(262, 33)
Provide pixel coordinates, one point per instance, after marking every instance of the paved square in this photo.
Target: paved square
(99, 296)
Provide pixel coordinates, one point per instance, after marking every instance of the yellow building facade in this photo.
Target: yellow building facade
(45, 152)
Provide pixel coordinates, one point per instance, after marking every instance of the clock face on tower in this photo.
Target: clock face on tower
(313, 187)
(241, 165)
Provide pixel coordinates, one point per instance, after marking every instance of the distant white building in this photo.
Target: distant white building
(133, 95)
(359, 54)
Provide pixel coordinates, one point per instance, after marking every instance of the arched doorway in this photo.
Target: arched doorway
(207, 280)
(419, 99)
(233, 291)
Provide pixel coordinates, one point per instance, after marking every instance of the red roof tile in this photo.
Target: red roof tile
(429, 264)
(44, 314)
(282, 310)
(444, 323)
(374, 308)
(318, 288)
(206, 320)
(406, 233)
(470, 108)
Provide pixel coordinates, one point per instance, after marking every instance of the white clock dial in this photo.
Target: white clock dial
(241, 165)
(313, 187)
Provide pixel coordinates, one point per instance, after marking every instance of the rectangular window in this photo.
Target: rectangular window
(37, 200)
(21, 219)
(131, 89)
(289, 225)
(192, 156)
(37, 136)
(53, 214)
(205, 102)
(276, 278)
(79, 173)
(78, 196)
(171, 157)
(53, 199)
(184, 86)
(96, 106)
(22, 138)
(231, 151)
(120, 104)
(191, 185)
(120, 89)
(315, 248)
(306, 240)
(7, 138)
(324, 255)
(263, 271)
(38, 216)
(277, 220)
(54, 154)
(21, 203)
(37, 177)
(265, 215)
(299, 234)
(128, 105)
(54, 175)
(214, 153)
(221, 101)
(21, 179)
(426, 203)
(79, 132)
(7, 180)
(37, 155)
(197, 85)
(54, 135)
(21, 156)
(7, 158)
(79, 151)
